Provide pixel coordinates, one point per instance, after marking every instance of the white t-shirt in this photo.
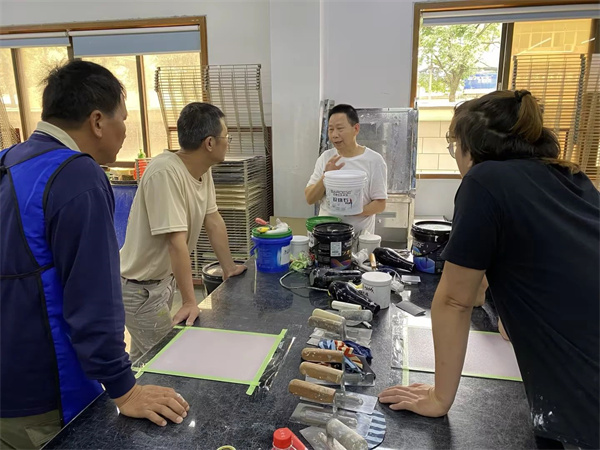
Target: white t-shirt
(169, 199)
(370, 162)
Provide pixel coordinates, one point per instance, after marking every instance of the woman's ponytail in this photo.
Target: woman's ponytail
(529, 123)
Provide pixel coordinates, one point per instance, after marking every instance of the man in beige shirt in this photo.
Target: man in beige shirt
(176, 196)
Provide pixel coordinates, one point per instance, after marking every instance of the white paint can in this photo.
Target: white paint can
(299, 245)
(369, 242)
(378, 287)
(344, 191)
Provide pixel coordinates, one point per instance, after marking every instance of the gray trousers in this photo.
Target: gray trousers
(147, 312)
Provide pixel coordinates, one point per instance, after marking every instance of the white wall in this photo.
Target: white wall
(436, 197)
(368, 48)
(238, 31)
(295, 72)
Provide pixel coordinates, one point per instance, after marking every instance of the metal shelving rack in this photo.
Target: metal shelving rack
(240, 187)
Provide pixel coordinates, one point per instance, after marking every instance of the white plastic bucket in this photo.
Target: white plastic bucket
(369, 242)
(344, 190)
(299, 245)
(378, 287)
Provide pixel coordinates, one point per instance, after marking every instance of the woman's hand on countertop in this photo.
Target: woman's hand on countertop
(418, 398)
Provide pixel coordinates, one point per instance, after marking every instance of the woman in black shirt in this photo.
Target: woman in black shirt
(530, 223)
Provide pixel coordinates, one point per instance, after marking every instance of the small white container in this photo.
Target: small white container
(299, 245)
(378, 287)
(369, 242)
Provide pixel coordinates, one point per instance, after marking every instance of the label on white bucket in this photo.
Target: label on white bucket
(344, 191)
(336, 249)
(345, 201)
(284, 255)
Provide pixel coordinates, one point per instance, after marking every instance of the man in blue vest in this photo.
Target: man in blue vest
(61, 311)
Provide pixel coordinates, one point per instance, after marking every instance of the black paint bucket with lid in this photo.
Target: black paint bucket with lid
(429, 240)
(333, 245)
(212, 275)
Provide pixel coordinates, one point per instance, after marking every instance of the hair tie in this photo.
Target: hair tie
(519, 96)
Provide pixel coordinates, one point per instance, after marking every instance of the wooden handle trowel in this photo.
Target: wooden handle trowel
(311, 391)
(333, 326)
(321, 372)
(325, 395)
(322, 355)
(335, 356)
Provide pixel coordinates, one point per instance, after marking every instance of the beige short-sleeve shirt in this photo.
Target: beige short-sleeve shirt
(169, 199)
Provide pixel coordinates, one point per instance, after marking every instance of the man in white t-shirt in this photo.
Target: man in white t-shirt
(348, 155)
(175, 197)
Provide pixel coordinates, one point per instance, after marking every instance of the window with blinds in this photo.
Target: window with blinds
(176, 87)
(130, 49)
(568, 87)
(587, 145)
(235, 89)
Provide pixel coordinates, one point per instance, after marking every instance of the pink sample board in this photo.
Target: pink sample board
(219, 355)
(488, 354)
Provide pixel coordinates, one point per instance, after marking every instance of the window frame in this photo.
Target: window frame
(505, 44)
(199, 21)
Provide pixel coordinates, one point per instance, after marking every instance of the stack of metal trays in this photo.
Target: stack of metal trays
(240, 185)
(237, 91)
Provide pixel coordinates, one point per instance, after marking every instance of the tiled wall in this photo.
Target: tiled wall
(432, 153)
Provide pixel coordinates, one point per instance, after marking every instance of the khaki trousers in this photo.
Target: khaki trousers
(147, 312)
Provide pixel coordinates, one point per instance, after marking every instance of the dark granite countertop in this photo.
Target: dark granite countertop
(490, 414)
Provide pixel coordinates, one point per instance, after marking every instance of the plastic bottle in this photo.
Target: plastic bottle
(282, 439)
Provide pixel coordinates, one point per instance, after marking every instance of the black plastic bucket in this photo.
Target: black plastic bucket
(429, 240)
(212, 276)
(333, 245)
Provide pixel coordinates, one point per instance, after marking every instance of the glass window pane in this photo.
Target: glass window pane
(156, 125)
(125, 69)
(456, 63)
(560, 36)
(37, 62)
(8, 90)
(553, 75)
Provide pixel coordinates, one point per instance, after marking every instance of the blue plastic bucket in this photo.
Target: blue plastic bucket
(272, 254)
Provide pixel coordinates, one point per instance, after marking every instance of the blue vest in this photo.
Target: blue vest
(29, 180)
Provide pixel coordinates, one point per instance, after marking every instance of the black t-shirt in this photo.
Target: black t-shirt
(535, 229)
